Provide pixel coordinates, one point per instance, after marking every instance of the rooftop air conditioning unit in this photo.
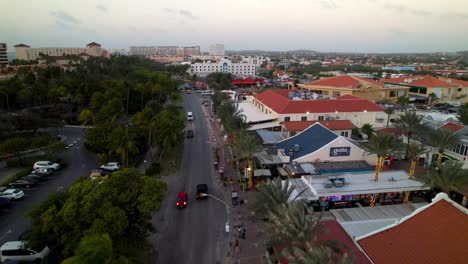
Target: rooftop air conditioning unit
(328, 184)
(296, 147)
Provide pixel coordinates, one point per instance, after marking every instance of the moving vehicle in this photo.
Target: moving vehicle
(189, 116)
(202, 188)
(12, 194)
(46, 165)
(189, 133)
(182, 200)
(111, 166)
(23, 183)
(18, 250)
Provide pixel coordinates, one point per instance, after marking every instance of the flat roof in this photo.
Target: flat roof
(360, 221)
(361, 183)
(269, 137)
(253, 114)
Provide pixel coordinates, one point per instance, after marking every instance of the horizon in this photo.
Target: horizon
(324, 26)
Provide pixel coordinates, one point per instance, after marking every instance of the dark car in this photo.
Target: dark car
(35, 177)
(201, 188)
(182, 200)
(189, 133)
(23, 183)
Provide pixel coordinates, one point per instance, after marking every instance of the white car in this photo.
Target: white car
(111, 166)
(19, 251)
(12, 194)
(46, 165)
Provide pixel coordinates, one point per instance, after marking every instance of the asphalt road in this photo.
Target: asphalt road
(79, 163)
(194, 234)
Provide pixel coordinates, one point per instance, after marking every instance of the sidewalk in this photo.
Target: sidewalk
(251, 250)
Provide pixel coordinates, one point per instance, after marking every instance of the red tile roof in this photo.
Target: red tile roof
(278, 101)
(437, 233)
(330, 124)
(345, 81)
(93, 44)
(452, 126)
(22, 46)
(422, 81)
(391, 130)
(348, 96)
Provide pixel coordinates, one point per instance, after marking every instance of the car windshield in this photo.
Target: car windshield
(50, 163)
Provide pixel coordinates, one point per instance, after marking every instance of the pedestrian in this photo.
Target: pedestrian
(243, 233)
(239, 231)
(236, 246)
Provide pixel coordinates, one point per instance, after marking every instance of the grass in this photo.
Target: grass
(23, 172)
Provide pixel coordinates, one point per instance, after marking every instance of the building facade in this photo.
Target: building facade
(25, 52)
(143, 50)
(167, 50)
(192, 51)
(217, 50)
(3, 54)
(257, 60)
(224, 66)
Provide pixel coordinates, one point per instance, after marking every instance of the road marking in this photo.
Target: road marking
(7, 233)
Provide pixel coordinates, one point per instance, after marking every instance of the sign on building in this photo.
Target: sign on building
(340, 151)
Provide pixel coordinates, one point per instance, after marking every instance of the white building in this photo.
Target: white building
(25, 52)
(217, 50)
(257, 60)
(224, 66)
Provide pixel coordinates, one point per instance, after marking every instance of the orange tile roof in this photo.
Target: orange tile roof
(437, 233)
(330, 124)
(279, 102)
(452, 126)
(422, 81)
(345, 81)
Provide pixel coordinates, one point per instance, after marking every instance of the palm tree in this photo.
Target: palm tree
(443, 139)
(271, 194)
(382, 145)
(244, 148)
(389, 111)
(432, 98)
(410, 123)
(368, 130)
(123, 143)
(414, 151)
(448, 177)
(170, 130)
(402, 101)
(320, 254)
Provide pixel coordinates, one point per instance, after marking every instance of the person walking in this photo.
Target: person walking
(239, 231)
(243, 233)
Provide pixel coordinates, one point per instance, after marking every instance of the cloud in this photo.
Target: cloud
(63, 17)
(328, 4)
(188, 14)
(418, 12)
(398, 32)
(169, 10)
(101, 7)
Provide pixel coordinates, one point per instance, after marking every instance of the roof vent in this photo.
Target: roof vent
(392, 179)
(291, 152)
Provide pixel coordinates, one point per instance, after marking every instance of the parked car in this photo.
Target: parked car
(99, 174)
(111, 166)
(47, 165)
(182, 200)
(12, 194)
(44, 171)
(35, 177)
(202, 188)
(23, 183)
(19, 250)
(190, 133)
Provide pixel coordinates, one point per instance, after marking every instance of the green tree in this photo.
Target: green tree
(92, 249)
(120, 206)
(447, 177)
(443, 139)
(368, 130)
(389, 111)
(219, 81)
(463, 114)
(15, 145)
(86, 117)
(382, 145)
(411, 124)
(170, 130)
(123, 143)
(402, 102)
(270, 194)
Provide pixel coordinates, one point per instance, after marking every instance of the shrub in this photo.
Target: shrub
(19, 174)
(154, 169)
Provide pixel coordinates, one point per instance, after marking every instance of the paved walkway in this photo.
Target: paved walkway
(250, 250)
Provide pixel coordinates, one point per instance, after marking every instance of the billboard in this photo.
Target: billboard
(340, 151)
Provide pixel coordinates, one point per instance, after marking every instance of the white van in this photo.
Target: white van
(189, 116)
(17, 250)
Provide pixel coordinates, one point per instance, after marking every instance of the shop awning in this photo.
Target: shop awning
(262, 173)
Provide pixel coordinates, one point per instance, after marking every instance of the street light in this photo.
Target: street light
(223, 202)
(144, 161)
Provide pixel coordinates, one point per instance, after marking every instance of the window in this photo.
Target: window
(287, 118)
(392, 94)
(344, 133)
(320, 118)
(304, 118)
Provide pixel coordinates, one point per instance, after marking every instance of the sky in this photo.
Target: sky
(321, 25)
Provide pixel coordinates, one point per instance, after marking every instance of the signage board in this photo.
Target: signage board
(340, 151)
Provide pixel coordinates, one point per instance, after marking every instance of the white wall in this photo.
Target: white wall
(323, 154)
